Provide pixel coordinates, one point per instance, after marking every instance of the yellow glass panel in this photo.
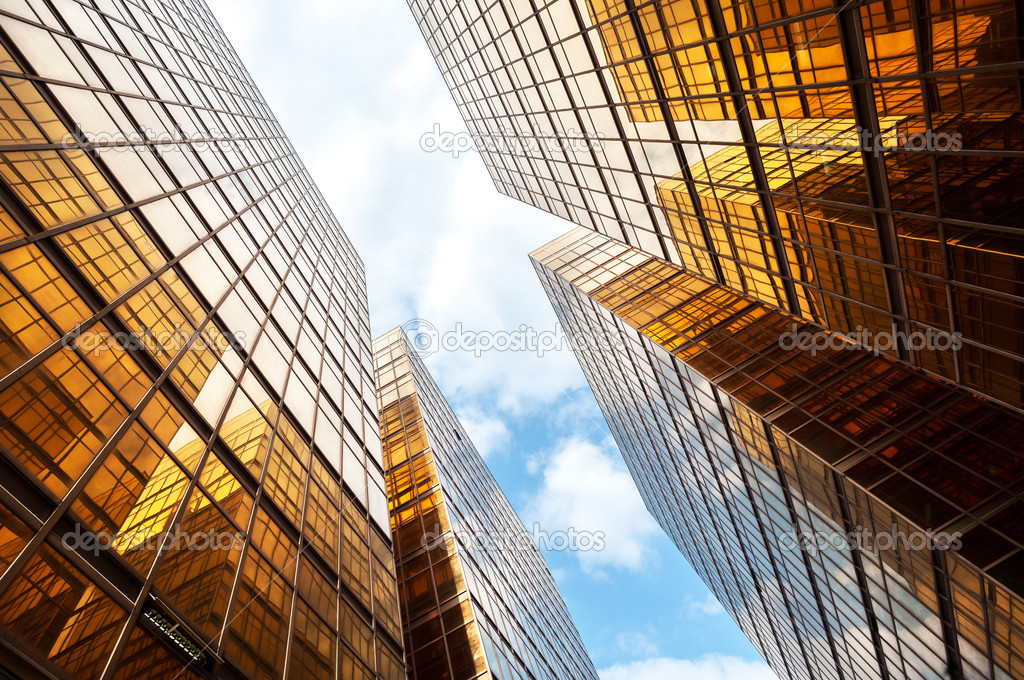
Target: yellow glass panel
(14, 536)
(248, 437)
(33, 120)
(199, 580)
(139, 536)
(47, 185)
(225, 488)
(58, 418)
(114, 491)
(52, 607)
(45, 286)
(23, 332)
(257, 636)
(105, 257)
(9, 229)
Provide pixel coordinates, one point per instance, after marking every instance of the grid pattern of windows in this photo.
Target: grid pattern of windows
(742, 446)
(478, 600)
(191, 480)
(856, 164)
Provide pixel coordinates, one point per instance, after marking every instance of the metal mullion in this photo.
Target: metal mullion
(579, 120)
(221, 638)
(105, 311)
(302, 543)
(122, 641)
(788, 499)
(161, 376)
(851, 41)
(698, 531)
(44, 234)
(712, 457)
(675, 139)
(105, 48)
(690, 501)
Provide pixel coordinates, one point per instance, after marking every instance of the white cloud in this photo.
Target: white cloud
(488, 432)
(354, 87)
(709, 606)
(476, 273)
(710, 667)
(635, 644)
(438, 241)
(586, 487)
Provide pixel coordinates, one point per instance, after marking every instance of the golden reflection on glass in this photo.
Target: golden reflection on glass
(911, 453)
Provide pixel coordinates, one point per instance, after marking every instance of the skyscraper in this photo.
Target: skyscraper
(191, 482)
(854, 164)
(477, 598)
(803, 232)
(857, 518)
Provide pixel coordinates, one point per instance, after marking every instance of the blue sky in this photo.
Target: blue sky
(355, 88)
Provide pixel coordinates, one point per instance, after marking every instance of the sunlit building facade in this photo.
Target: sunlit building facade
(856, 165)
(744, 170)
(858, 518)
(191, 481)
(478, 601)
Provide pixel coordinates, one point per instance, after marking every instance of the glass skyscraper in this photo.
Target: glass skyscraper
(191, 481)
(856, 164)
(857, 518)
(478, 600)
(751, 175)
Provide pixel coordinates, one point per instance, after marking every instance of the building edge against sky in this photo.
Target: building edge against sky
(191, 481)
(755, 457)
(855, 164)
(773, 151)
(478, 600)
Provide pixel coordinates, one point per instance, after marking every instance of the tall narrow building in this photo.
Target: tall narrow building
(857, 518)
(478, 601)
(768, 191)
(191, 482)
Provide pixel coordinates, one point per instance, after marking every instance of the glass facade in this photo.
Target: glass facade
(855, 164)
(191, 480)
(478, 601)
(858, 518)
(741, 169)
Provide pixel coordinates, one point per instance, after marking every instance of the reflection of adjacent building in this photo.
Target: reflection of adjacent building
(789, 57)
(690, 100)
(478, 600)
(763, 163)
(815, 172)
(826, 222)
(736, 440)
(190, 472)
